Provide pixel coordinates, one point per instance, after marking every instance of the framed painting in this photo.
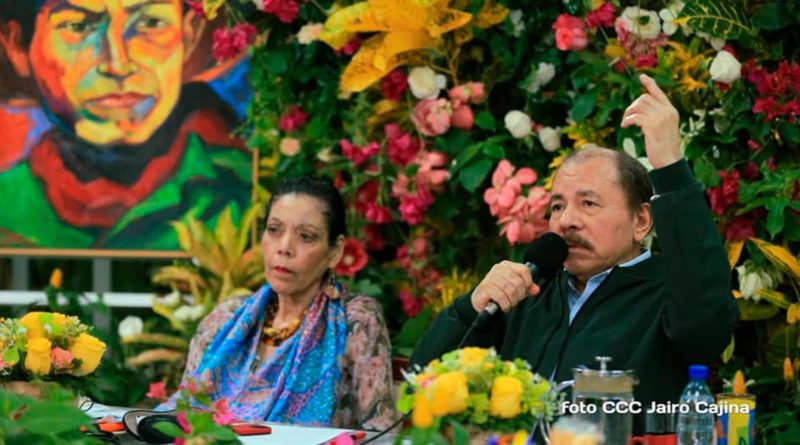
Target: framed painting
(115, 121)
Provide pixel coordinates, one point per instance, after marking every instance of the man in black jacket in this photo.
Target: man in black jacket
(653, 313)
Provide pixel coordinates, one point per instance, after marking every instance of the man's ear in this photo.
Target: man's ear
(11, 40)
(193, 27)
(643, 222)
(337, 252)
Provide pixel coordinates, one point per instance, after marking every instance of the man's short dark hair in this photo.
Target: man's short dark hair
(23, 12)
(631, 173)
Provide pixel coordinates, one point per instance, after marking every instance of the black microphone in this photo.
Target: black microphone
(545, 257)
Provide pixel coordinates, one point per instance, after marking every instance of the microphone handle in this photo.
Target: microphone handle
(491, 308)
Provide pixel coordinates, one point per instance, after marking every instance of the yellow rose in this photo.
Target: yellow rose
(56, 278)
(473, 356)
(89, 350)
(33, 325)
(450, 394)
(506, 397)
(37, 360)
(421, 417)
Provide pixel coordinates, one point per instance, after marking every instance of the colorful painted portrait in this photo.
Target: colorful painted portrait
(115, 121)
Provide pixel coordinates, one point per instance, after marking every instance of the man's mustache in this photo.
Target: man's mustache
(574, 239)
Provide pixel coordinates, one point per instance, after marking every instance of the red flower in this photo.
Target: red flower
(401, 147)
(374, 238)
(293, 118)
(570, 33)
(741, 227)
(197, 7)
(394, 85)
(230, 42)
(725, 194)
(354, 258)
(351, 46)
(463, 117)
(184, 422)
(411, 304)
(603, 15)
(158, 391)
(222, 413)
(285, 10)
(751, 172)
(358, 154)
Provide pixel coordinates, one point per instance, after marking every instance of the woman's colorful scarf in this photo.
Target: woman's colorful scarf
(294, 385)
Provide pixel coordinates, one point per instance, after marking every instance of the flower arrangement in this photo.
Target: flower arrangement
(47, 345)
(473, 386)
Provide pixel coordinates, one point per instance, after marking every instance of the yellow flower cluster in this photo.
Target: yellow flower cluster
(473, 384)
(48, 343)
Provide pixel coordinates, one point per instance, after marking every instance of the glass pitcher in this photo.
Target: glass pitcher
(603, 397)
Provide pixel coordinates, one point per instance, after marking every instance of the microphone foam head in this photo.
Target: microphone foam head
(548, 253)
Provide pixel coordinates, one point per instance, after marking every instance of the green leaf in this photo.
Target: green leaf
(225, 434)
(584, 106)
(413, 329)
(727, 354)
(460, 434)
(278, 60)
(52, 417)
(472, 176)
(485, 120)
(168, 428)
(775, 216)
(494, 151)
(790, 133)
(465, 156)
(706, 172)
(772, 16)
(719, 18)
(11, 355)
(752, 311)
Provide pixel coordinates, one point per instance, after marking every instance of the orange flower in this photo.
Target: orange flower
(56, 278)
(788, 370)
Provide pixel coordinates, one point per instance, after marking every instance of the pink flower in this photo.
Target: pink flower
(358, 154)
(394, 85)
(526, 219)
(411, 304)
(197, 7)
(343, 439)
(222, 414)
(183, 421)
(506, 185)
(432, 116)
(289, 146)
(285, 10)
(570, 33)
(230, 42)
(378, 214)
(470, 92)
(157, 391)
(179, 441)
(755, 146)
(603, 15)
(432, 172)
(462, 117)
(60, 358)
(401, 147)
(412, 208)
(354, 258)
(293, 118)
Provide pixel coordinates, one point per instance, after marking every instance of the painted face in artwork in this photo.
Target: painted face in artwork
(111, 69)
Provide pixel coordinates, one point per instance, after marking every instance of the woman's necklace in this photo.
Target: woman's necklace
(275, 336)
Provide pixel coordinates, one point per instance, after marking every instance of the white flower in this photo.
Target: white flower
(642, 22)
(130, 326)
(518, 123)
(189, 313)
(425, 83)
(326, 155)
(716, 42)
(290, 146)
(309, 33)
(630, 147)
(170, 300)
(669, 25)
(550, 138)
(517, 22)
(544, 74)
(752, 280)
(725, 68)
